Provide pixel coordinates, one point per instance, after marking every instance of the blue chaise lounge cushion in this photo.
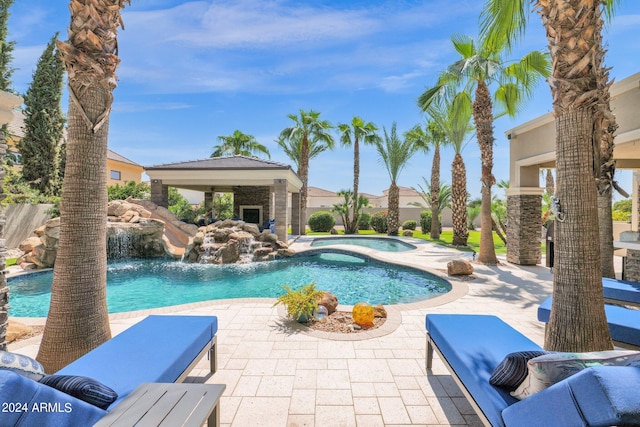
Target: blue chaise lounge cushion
(624, 323)
(142, 353)
(466, 343)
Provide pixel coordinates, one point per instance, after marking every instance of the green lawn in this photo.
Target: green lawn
(445, 239)
(11, 261)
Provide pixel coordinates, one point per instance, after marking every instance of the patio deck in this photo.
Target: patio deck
(278, 375)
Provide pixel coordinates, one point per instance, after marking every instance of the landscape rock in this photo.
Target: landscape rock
(16, 330)
(459, 267)
(29, 243)
(407, 233)
(379, 311)
(329, 301)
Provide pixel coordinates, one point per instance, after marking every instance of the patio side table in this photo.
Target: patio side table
(167, 404)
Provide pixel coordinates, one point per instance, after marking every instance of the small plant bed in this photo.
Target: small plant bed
(341, 322)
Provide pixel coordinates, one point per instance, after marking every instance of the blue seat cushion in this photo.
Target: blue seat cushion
(598, 397)
(156, 349)
(621, 290)
(35, 404)
(624, 323)
(474, 345)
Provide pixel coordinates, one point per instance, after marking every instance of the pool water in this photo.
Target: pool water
(138, 285)
(378, 243)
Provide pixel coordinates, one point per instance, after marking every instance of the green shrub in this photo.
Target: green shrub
(425, 221)
(379, 222)
(409, 224)
(364, 221)
(621, 216)
(321, 221)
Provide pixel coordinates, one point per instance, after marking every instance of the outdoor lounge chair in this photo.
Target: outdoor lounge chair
(624, 323)
(158, 349)
(472, 346)
(621, 292)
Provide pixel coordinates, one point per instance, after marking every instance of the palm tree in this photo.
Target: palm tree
(432, 137)
(239, 144)
(479, 68)
(308, 129)
(395, 154)
(580, 90)
(443, 198)
(349, 202)
(78, 320)
(451, 113)
(359, 130)
(293, 149)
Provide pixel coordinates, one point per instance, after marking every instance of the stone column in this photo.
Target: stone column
(280, 189)
(296, 222)
(524, 222)
(8, 102)
(159, 193)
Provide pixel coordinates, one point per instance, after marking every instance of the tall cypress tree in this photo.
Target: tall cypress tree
(5, 82)
(43, 122)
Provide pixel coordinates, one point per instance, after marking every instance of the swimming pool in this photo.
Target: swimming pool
(138, 285)
(379, 243)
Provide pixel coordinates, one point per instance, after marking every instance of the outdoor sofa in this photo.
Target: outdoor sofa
(472, 346)
(158, 349)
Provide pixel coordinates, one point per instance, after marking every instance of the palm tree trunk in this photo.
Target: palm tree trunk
(483, 120)
(605, 125)
(574, 32)
(356, 177)
(459, 201)
(435, 192)
(78, 320)
(304, 177)
(394, 210)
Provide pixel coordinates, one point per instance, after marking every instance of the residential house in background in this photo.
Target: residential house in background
(121, 169)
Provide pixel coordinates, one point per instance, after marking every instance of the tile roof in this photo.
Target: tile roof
(112, 155)
(228, 162)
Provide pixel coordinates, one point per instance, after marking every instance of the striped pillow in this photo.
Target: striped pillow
(513, 369)
(83, 388)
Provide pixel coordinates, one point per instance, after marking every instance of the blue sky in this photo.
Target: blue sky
(194, 70)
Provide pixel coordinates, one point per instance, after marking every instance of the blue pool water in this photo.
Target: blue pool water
(378, 243)
(138, 285)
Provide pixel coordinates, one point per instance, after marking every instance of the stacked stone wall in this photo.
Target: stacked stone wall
(524, 222)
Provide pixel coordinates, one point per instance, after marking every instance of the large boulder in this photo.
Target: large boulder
(459, 267)
(229, 253)
(29, 243)
(17, 330)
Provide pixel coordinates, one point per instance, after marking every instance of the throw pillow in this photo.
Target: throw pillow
(544, 371)
(513, 369)
(21, 364)
(83, 388)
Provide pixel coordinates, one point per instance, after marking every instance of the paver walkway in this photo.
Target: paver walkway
(279, 375)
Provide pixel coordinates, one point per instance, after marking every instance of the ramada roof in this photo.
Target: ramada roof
(229, 162)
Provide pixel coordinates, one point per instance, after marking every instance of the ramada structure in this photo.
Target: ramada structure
(532, 148)
(260, 187)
